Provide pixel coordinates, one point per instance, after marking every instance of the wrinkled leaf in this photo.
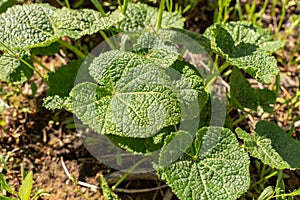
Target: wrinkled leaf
(194, 42)
(25, 26)
(14, 70)
(246, 47)
(208, 169)
(77, 23)
(25, 189)
(39, 25)
(61, 83)
(141, 16)
(135, 96)
(272, 146)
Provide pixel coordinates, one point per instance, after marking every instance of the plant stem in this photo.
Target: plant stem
(127, 173)
(99, 7)
(252, 10)
(294, 51)
(283, 11)
(160, 14)
(110, 44)
(239, 119)
(125, 5)
(23, 61)
(78, 53)
(262, 11)
(67, 4)
(220, 12)
(41, 64)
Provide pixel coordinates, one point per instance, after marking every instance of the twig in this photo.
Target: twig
(78, 182)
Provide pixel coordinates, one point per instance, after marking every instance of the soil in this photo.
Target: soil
(39, 140)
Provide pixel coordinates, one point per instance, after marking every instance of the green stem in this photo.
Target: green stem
(23, 61)
(125, 5)
(294, 51)
(62, 5)
(220, 13)
(223, 67)
(99, 7)
(41, 64)
(78, 53)
(252, 10)
(239, 9)
(160, 14)
(67, 4)
(262, 11)
(127, 173)
(110, 44)
(283, 11)
(239, 119)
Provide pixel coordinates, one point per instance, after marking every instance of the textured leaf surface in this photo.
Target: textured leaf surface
(192, 41)
(12, 69)
(213, 167)
(27, 26)
(272, 146)
(135, 96)
(39, 25)
(246, 47)
(77, 23)
(61, 83)
(140, 16)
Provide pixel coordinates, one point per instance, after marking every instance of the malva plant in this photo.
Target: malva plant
(145, 95)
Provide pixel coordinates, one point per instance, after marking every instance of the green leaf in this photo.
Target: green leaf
(272, 146)
(77, 23)
(241, 92)
(194, 42)
(135, 96)
(4, 4)
(61, 83)
(106, 190)
(26, 187)
(27, 26)
(246, 47)
(140, 16)
(5, 186)
(7, 198)
(12, 69)
(46, 51)
(267, 193)
(39, 25)
(267, 99)
(212, 167)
